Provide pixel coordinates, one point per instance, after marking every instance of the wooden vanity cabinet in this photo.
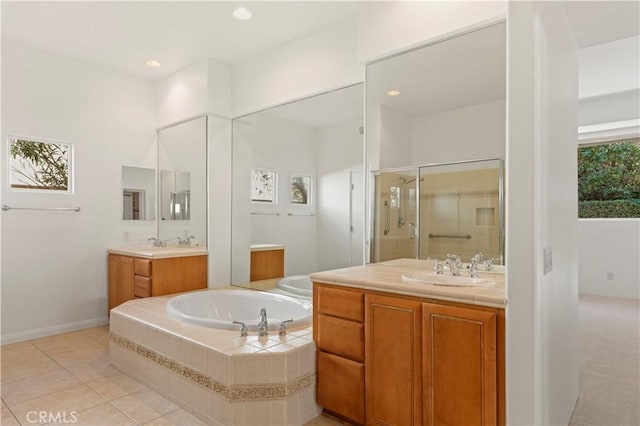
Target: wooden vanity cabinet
(135, 277)
(426, 361)
(393, 362)
(339, 334)
(121, 279)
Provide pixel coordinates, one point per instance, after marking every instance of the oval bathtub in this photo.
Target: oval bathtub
(218, 308)
(297, 284)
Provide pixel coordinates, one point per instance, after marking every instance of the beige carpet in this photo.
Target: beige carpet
(609, 362)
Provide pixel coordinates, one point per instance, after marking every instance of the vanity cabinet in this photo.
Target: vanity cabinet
(339, 334)
(135, 277)
(266, 264)
(425, 361)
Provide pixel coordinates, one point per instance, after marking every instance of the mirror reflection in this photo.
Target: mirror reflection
(138, 193)
(297, 191)
(175, 196)
(435, 106)
(432, 211)
(182, 159)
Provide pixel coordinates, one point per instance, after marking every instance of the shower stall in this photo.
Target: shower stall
(429, 211)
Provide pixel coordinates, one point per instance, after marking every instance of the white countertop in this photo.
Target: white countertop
(387, 277)
(150, 252)
(266, 247)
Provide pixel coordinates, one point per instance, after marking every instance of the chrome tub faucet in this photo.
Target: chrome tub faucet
(263, 325)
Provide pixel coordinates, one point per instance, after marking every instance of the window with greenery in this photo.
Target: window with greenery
(609, 180)
(39, 165)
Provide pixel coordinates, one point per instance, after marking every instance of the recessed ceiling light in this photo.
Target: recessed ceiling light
(393, 93)
(242, 14)
(153, 64)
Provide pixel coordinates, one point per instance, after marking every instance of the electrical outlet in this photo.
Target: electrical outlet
(548, 259)
(610, 276)
(125, 235)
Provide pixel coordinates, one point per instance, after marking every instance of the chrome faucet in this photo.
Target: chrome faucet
(488, 264)
(438, 267)
(186, 241)
(455, 264)
(263, 325)
(473, 266)
(157, 242)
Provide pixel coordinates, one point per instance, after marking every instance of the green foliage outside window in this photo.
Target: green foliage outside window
(609, 180)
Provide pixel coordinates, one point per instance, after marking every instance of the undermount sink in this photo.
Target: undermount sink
(446, 280)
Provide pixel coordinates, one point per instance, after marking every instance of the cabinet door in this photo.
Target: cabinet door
(120, 279)
(393, 360)
(459, 347)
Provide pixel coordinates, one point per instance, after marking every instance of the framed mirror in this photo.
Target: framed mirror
(297, 189)
(138, 193)
(182, 160)
(441, 104)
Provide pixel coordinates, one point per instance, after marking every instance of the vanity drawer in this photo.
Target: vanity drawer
(141, 286)
(341, 337)
(340, 386)
(142, 267)
(340, 302)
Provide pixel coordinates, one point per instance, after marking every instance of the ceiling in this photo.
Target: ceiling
(123, 35)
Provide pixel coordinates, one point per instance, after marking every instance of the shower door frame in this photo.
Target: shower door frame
(417, 169)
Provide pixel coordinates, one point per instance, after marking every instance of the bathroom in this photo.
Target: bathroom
(54, 270)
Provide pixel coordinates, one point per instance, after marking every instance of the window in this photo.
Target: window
(300, 190)
(39, 165)
(609, 180)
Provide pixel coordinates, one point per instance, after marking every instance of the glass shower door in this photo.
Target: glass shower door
(395, 217)
(461, 210)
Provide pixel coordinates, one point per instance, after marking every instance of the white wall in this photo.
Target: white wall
(389, 27)
(394, 138)
(338, 152)
(542, 363)
(610, 246)
(319, 62)
(183, 94)
(54, 266)
(470, 133)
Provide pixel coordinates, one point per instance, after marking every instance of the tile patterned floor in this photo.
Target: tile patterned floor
(70, 375)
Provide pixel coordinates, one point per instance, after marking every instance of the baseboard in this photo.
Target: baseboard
(50, 331)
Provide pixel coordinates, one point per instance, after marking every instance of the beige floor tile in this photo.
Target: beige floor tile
(20, 390)
(94, 335)
(177, 418)
(102, 415)
(34, 367)
(144, 406)
(93, 370)
(325, 420)
(7, 418)
(60, 343)
(19, 352)
(75, 399)
(115, 386)
(3, 404)
(81, 355)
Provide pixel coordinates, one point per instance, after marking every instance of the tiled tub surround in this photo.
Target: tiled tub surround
(387, 277)
(215, 374)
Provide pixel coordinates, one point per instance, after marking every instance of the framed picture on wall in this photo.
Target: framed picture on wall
(263, 186)
(39, 165)
(300, 190)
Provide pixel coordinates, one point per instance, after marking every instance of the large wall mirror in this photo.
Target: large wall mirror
(432, 113)
(298, 189)
(182, 161)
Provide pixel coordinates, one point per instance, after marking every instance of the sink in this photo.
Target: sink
(446, 280)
